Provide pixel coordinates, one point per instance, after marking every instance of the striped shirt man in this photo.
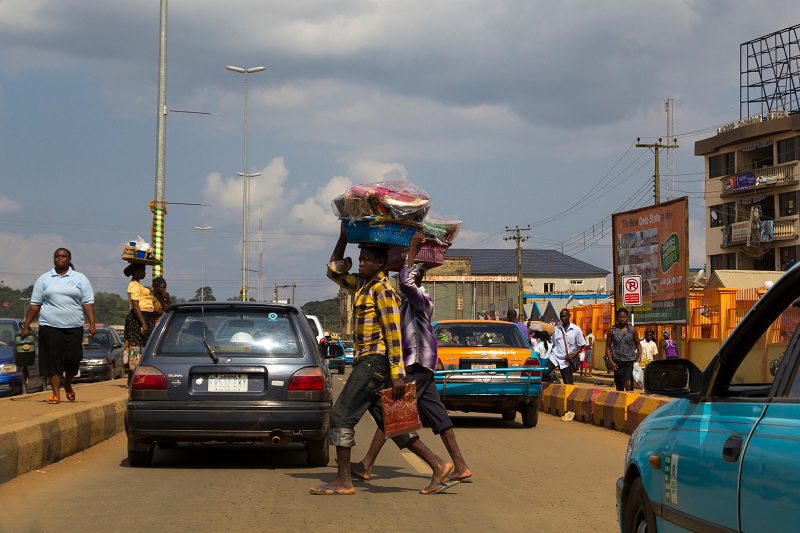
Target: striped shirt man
(376, 328)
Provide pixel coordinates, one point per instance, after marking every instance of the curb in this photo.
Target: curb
(639, 409)
(581, 402)
(29, 446)
(554, 399)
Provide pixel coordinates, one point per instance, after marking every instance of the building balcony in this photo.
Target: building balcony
(760, 233)
(759, 179)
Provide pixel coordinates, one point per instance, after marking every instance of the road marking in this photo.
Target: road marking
(416, 463)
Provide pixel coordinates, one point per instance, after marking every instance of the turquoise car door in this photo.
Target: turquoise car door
(769, 497)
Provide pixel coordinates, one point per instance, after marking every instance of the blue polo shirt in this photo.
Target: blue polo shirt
(62, 298)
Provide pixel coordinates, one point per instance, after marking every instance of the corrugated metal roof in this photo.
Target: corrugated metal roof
(742, 279)
(535, 263)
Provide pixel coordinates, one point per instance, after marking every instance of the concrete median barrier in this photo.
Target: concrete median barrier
(34, 434)
(554, 399)
(611, 408)
(581, 402)
(640, 409)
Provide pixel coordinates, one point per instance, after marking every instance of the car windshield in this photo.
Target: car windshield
(98, 340)
(7, 332)
(255, 333)
(486, 333)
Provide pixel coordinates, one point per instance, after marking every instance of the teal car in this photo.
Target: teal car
(725, 455)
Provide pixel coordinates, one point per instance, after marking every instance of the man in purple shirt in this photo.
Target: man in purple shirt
(419, 356)
(511, 316)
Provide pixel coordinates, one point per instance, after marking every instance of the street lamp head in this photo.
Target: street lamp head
(240, 70)
(255, 69)
(249, 174)
(203, 228)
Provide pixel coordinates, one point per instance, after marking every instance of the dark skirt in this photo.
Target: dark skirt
(133, 330)
(60, 350)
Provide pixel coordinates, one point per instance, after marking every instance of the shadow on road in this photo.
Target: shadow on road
(228, 456)
(488, 421)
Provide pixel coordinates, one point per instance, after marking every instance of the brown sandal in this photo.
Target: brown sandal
(53, 400)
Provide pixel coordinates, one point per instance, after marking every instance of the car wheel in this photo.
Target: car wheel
(140, 454)
(530, 415)
(317, 452)
(637, 515)
(509, 415)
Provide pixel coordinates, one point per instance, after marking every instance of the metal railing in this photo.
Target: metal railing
(784, 229)
(761, 178)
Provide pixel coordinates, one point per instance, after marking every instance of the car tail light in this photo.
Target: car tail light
(534, 362)
(439, 365)
(148, 378)
(307, 379)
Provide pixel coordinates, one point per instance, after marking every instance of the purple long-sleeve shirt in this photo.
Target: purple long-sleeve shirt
(419, 344)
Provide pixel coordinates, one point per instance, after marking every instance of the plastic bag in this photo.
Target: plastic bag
(443, 229)
(400, 417)
(638, 374)
(398, 200)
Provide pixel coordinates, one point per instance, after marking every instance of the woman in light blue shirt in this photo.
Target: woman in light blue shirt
(60, 298)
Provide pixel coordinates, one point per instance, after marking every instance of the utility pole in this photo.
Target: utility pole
(516, 235)
(292, 286)
(656, 148)
(158, 205)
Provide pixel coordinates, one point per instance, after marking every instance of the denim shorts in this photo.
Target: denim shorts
(361, 393)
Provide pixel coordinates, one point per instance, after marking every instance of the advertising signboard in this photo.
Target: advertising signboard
(653, 244)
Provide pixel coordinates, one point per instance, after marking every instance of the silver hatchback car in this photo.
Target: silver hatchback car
(230, 372)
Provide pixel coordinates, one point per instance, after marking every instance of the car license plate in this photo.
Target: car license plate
(483, 366)
(227, 383)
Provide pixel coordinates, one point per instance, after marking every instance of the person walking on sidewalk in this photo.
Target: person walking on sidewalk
(567, 343)
(61, 298)
(623, 349)
(668, 346)
(419, 357)
(378, 363)
(587, 365)
(649, 347)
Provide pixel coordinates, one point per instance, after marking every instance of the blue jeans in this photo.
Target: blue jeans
(361, 393)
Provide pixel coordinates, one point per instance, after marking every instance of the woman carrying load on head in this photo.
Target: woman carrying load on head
(141, 318)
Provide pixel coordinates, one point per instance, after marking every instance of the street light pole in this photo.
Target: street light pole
(245, 176)
(203, 263)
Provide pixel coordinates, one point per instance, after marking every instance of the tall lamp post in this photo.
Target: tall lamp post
(203, 263)
(245, 176)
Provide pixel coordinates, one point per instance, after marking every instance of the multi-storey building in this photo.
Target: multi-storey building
(751, 193)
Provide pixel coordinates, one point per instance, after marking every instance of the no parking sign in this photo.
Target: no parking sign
(632, 290)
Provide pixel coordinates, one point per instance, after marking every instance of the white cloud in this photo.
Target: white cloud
(267, 189)
(7, 205)
(367, 171)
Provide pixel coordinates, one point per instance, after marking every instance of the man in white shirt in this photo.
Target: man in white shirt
(649, 347)
(567, 342)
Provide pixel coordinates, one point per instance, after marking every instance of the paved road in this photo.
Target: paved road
(557, 477)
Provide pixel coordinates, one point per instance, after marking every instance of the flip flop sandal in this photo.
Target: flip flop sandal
(71, 395)
(53, 400)
(467, 479)
(327, 490)
(359, 476)
(440, 487)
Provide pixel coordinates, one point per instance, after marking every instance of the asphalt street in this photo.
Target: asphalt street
(558, 476)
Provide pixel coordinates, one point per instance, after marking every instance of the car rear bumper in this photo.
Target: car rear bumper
(227, 421)
(336, 363)
(10, 383)
(93, 373)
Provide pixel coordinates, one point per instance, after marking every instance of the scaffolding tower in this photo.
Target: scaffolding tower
(769, 74)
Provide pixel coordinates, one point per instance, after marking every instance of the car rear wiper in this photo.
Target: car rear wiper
(205, 339)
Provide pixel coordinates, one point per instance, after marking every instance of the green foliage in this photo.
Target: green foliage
(327, 311)
(199, 295)
(14, 303)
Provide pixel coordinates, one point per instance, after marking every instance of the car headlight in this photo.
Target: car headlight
(95, 361)
(8, 368)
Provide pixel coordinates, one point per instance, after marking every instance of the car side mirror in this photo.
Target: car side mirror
(773, 367)
(116, 346)
(677, 378)
(333, 351)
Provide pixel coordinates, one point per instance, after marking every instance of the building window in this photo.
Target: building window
(721, 165)
(788, 150)
(722, 215)
(576, 282)
(788, 201)
(723, 262)
(765, 262)
(788, 257)
(549, 287)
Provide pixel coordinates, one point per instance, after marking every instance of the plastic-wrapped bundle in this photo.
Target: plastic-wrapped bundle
(441, 228)
(398, 200)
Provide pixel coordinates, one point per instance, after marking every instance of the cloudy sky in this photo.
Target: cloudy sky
(506, 112)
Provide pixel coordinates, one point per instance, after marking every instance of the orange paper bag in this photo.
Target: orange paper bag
(400, 417)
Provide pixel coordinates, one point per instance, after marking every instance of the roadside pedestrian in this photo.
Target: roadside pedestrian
(511, 316)
(669, 347)
(141, 317)
(623, 350)
(61, 298)
(568, 341)
(649, 347)
(378, 363)
(161, 298)
(420, 355)
(588, 362)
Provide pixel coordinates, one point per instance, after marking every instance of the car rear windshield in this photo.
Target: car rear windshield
(480, 334)
(255, 333)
